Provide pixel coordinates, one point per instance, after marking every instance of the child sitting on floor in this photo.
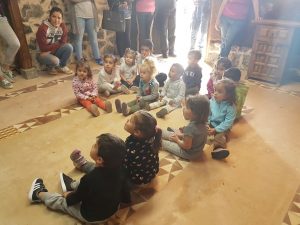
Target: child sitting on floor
(109, 78)
(222, 116)
(141, 160)
(193, 74)
(86, 91)
(241, 89)
(99, 193)
(172, 93)
(147, 93)
(188, 142)
(128, 70)
(217, 74)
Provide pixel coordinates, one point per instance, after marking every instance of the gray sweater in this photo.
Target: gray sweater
(174, 90)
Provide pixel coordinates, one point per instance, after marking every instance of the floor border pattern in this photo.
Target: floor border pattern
(292, 216)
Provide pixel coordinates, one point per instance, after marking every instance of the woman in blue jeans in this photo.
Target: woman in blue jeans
(232, 18)
(84, 17)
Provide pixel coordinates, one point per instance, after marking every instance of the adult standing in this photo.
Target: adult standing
(200, 20)
(52, 42)
(145, 14)
(13, 45)
(84, 17)
(122, 38)
(165, 20)
(232, 18)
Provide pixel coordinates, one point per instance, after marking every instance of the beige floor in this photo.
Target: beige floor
(257, 184)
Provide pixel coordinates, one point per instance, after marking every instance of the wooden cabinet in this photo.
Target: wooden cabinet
(270, 50)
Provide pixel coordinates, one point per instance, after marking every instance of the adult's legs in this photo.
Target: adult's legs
(161, 19)
(64, 53)
(79, 37)
(144, 21)
(196, 20)
(133, 28)
(92, 35)
(204, 24)
(123, 39)
(171, 31)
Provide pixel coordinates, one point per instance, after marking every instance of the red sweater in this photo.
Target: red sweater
(50, 38)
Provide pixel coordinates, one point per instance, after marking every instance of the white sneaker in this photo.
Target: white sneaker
(65, 70)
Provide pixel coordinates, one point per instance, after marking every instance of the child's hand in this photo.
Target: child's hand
(138, 98)
(174, 138)
(117, 84)
(211, 131)
(65, 194)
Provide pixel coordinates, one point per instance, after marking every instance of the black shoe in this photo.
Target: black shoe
(220, 153)
(118, 105)
(125, 109)
(165, 55)
(172, 54)
(161, 113)
(65, 182)
(37, 186)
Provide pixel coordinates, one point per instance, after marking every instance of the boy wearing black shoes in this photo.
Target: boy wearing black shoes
(99, 193)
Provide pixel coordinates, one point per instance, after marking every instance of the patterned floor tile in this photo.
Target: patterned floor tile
(293, 215)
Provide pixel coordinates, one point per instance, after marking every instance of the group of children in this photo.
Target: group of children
(119, 165)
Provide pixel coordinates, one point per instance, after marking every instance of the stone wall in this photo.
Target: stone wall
(34, 12)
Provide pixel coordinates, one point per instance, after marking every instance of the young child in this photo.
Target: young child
(147, 93)
(86, 90)
(141, 160)
(99, 193)
(241, 89)
(188, 142)
(217, 74)
(222, 116)
(109, 78)
(172, 93)
(193, 73)
(128, 70)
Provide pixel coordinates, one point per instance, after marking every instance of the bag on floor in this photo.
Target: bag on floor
(113, 20)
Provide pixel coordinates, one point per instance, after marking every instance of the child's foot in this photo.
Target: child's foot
(106, 93)
(220, 153)
(161, 113)
(108, 107)
(125, 109)
(37, 186)
(65, 182)
(134, 89)
(147, 106)
(78, 159)
(118, 105)
(124, 89)
(95, 110)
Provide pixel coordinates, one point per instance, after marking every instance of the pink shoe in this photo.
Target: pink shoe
(78, 159)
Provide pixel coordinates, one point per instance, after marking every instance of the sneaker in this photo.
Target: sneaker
(36, 187)
(147, 106)
(118, 105)
(5, 84)
(78, 159)
(99, 61)
(94, 110)
(65, 70)
(65, 182)
(125, 109)
(8, 75)
(165, 55)
(125, 90)
(52, 71)
(108, 107)
(220, 153)
(135, 89)
(106, 93)
(161, 113)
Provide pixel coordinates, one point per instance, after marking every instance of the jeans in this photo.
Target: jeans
(230, 29)
(144, 21)
(59, 58)
(87, 25)
(9, 36)
(123, 39)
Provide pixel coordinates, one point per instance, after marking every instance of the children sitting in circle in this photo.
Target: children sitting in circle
(188, 142)
(128, 70)
(222, 116)
(86, 92)
(98, 194)
(172, 93)
(141, 160)
(109, 78)
(193, 73)
(217, 74)
(147, 93)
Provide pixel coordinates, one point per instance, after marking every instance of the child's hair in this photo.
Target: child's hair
(149, 66)
(179, 68)
(147, 43)
(233, 73)
(86, 66)
(111, 149)
(129, 51)
(110, 56)
(147, 125)
(196, 54)
(229, 87)
(199, 105)
(225, 62)
(56, 9)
